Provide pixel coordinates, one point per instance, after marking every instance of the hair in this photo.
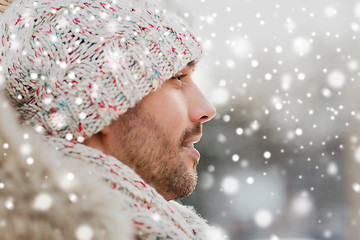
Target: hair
(4, 4)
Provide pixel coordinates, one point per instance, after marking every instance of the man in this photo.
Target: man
(108, 83)
(156, 138)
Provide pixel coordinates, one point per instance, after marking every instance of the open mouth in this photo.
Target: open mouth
(191, 149)
(189, 146)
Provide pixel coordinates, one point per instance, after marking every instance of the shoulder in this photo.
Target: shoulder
(44, 195)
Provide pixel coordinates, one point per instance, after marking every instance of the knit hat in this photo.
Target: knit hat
(73, 66)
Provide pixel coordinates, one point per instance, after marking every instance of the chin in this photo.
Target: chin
(187, 186)
(193, 181)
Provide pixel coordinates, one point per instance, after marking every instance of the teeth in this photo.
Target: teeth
(189, 145)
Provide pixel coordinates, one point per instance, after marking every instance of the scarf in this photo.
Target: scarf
(152, 216)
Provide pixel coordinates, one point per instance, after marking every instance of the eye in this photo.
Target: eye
(179, 80)
(180, 77)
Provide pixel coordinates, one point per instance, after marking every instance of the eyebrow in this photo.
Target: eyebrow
(191, 63)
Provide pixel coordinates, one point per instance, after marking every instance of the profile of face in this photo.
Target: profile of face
(156, 138)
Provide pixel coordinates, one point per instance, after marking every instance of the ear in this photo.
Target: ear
(105, 130)
(98, 140)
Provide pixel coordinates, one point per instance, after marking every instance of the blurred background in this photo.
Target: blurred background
(281, 159)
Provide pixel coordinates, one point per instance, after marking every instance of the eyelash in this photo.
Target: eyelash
(179, 78)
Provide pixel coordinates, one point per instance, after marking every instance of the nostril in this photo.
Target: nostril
(205, 118)
(208, 114)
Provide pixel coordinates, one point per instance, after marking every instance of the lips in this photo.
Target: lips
(194, 152)
(189, 146)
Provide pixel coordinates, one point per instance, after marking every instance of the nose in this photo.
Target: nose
(201, 110)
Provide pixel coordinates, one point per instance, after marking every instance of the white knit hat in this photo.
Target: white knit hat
(73, 66)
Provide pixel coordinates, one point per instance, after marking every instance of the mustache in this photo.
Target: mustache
(193, 131)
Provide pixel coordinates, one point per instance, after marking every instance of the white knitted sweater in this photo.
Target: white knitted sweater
(153, 217)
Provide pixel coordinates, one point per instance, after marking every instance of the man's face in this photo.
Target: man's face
(156, 137)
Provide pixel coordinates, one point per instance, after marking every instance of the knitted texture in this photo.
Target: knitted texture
(153, 217)
(4, 4)
(73, 66)
(46, 196)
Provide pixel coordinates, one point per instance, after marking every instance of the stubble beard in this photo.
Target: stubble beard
(153, 155)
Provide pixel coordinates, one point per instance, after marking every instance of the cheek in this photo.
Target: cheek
(175, 118)
(171, 113)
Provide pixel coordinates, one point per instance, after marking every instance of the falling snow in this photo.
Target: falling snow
(302, 205)
(284, 77)
(282, 155)
(84, 232)
(43, 202)
(267, 154)
(263, 218)
(9, 203)
(230, 185)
